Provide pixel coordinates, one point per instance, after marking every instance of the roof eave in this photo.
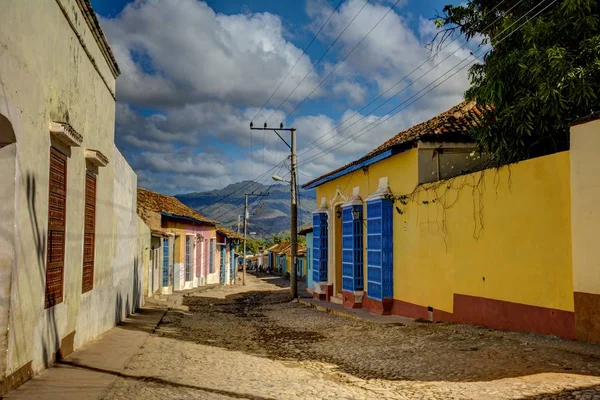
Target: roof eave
(375, 158)
(166, 214)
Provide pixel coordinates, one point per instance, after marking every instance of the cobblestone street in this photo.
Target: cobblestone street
(251, 342)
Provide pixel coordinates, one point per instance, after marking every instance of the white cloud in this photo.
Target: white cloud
(354, 92)
(391, 51)
(174, 52)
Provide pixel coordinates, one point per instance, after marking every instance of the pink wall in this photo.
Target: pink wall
(202, 248)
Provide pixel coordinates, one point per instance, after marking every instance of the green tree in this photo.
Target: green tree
(540, 79)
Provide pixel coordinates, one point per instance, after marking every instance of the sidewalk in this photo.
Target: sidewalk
(89, 372)
(357, 313)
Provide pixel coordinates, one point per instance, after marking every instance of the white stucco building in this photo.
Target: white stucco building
(70, 264)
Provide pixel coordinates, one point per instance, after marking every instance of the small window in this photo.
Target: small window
(89, 232)
(165, 274)
(189, 263)
(212, 255)
(57, 215)
(320, 247)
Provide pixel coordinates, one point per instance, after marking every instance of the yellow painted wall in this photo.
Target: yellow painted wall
(585, 206)
(510, 226)
(402, 173)
(178, 229)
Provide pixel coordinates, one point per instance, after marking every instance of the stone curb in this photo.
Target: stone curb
(331, 311)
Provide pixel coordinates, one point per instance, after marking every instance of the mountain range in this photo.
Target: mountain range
(268, 215)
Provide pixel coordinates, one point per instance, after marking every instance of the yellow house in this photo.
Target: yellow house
(419, 228)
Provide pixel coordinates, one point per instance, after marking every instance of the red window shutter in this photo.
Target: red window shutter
(57, 215)
(89, 232)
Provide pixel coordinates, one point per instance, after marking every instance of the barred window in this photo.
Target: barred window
(89, 232)
(57, 214)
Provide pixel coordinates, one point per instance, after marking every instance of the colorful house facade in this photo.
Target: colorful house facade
(419, 228)
(193, 250)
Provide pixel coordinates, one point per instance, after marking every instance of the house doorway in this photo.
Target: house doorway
(337, 250)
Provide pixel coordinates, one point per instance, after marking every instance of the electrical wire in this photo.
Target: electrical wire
(389, 116)
(298, 60)
(313, 143)
(344, 59)
(243, 187)
(318, 61)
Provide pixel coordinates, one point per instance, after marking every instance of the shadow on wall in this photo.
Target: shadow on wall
(124, 309)
(137, 286)
(51, 341)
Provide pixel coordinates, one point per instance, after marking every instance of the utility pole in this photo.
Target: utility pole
(294, 220)
(293, 205)
(245, 226)
(246, 216)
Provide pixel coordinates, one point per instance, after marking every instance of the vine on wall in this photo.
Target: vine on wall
(445, 194)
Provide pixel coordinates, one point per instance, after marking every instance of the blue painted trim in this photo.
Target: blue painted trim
(352, 168)
(165, 214)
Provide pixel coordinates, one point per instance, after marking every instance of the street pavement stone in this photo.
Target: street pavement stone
(252, 342)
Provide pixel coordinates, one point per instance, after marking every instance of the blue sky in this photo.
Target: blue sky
(195, 73)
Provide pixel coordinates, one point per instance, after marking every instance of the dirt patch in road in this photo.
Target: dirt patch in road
(265, 323)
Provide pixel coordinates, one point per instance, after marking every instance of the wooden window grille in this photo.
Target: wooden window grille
(57, 215)
(89, 232)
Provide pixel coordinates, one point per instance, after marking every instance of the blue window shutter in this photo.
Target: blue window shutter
(320, 247)
(232, 266)
(352, 249)
(188, 258)
(211, 251)
(223, 271)
(165, 275)
(387, 248)
(379, 249)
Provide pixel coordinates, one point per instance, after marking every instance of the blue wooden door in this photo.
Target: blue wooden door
(165, 274)
(223, 266)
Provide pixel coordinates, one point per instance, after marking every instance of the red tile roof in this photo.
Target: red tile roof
(151, 203)
(452, 126)
(229, 233)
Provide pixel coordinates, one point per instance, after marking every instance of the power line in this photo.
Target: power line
(239, 202)
(397, 83)
(344, 59)
(389, 116)
(241, 188)
(318, 61)
(299, 58)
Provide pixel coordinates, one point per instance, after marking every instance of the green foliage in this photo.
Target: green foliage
(286, 238)
(539, 79)
(252, 246)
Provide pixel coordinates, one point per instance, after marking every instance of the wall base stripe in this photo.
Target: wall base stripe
(498, 314)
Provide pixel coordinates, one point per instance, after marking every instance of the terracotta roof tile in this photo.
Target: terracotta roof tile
(151, 204)
(229, 233)
(452, 125)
